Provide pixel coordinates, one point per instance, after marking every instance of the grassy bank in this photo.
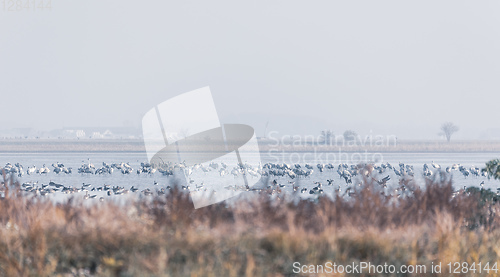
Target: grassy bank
(165, 236)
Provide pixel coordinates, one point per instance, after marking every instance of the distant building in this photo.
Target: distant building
(80, 133)
(73, 133)
(97, 135)
(101, 132)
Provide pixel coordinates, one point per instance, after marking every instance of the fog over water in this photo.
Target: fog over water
(389, 67)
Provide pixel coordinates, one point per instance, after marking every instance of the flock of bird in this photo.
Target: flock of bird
(52, 187)
(346, 171)
(273, 174)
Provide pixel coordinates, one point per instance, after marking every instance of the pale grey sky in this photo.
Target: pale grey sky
(393, 67)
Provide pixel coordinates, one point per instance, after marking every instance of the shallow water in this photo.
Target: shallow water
(158, 181)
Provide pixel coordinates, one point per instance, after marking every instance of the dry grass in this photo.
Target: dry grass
(165, 236)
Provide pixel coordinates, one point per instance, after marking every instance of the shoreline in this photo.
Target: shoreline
(137, 146)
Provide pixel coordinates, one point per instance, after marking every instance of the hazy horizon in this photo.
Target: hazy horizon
(385, 67)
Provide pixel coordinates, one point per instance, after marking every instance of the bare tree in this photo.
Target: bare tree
(350, 136)
(448, 129)
(327, 136)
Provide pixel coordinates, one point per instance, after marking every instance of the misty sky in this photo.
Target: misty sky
(392, 67)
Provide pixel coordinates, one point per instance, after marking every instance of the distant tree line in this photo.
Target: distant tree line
(327, 137)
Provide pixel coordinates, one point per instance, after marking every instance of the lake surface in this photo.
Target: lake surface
(157, 180)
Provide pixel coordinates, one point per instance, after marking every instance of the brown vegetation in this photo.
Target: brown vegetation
(166, 236)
